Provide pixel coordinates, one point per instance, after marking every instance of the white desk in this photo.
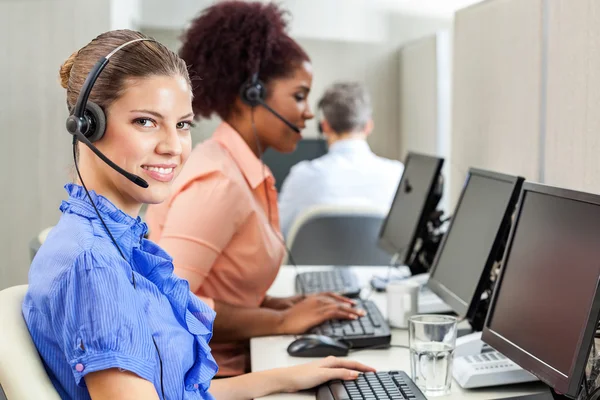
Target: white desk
(271, 352)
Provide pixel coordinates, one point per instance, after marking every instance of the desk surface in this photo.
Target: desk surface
(271, 352)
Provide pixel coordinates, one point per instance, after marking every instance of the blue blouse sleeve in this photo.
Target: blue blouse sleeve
(100, 322)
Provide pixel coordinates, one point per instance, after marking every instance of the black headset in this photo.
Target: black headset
(254, 93)
(87, 121)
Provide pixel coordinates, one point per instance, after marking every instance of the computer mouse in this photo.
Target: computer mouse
(317, 346)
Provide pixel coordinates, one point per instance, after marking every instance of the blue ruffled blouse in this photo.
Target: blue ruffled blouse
(88, 309)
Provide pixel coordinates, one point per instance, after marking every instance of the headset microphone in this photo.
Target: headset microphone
(133, 178)
(275, 113)
(254, 94)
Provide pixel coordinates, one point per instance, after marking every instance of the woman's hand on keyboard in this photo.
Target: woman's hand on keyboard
(289, 379)
(316, 309)
(280, 303)
(283, 303)
(313, 374)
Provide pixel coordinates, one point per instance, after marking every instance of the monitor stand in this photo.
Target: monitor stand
(547, 395)
(469, 345)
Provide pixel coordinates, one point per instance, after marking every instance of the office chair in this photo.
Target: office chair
(22, 374)
(36, 242)
(338, 235)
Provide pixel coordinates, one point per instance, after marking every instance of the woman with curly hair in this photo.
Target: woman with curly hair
(221, 223)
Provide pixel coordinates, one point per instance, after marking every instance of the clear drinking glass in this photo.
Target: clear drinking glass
(432, 340)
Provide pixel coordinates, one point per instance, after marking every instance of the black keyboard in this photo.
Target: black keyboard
(371, 330)
(339, 280)
(372, 385)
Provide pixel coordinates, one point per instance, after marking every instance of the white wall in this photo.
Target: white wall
(376, 64)
(332, 20)
(35, 157)
(125, 14)
(425, 100)
(418, 97)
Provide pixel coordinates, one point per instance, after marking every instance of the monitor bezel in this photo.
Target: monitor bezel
(386, 245)
(567, 385)
(469, 309)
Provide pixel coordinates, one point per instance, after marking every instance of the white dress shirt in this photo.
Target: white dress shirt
(350, 174)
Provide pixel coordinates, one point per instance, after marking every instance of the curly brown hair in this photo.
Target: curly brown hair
(230, 41)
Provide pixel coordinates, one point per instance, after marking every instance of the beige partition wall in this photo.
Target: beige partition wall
(497, 89)
(572, 145)
(37, 37)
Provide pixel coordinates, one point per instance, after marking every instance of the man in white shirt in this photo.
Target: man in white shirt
(350, 174)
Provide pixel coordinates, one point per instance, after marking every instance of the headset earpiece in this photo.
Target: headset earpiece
(92, 125)
(96, 121)
(253, 92)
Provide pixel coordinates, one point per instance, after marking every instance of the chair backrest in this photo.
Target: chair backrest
(22, 374)
(36, 242)
(338, 235)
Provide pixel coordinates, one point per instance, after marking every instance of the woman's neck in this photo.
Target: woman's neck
(130, 208)
(244, 128)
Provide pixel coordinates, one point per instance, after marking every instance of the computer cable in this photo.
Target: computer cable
(594, 394)
(586, 387)
(94, 205)
(117, 246)
(437, 223)
(393, 264)
(369, 293)
(593, 377)
(378, 347)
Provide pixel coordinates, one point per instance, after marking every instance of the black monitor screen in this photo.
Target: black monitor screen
(280, 164)
(411, 205)
(545, 310)
(478, 224)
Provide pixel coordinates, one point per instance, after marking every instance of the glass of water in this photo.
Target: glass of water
(432, 340)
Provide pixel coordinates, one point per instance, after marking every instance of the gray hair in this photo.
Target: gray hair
(346, 106)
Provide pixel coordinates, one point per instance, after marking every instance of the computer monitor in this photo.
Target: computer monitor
(280, 164)
(546, 304)
(474, 242)
(417, 196)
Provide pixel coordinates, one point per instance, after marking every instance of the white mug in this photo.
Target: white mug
(402, 302)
